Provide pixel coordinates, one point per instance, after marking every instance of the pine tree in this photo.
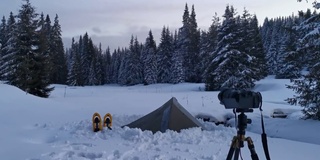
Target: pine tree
(100, 66)
(134, 66)
(75, 74)
(30, 71)
(229, 69)
(107, 64)
(59, 70)
(290, 65)
(178, 73)
(123, 67)
(208, 43)
(115, 65)
(307, 88)
(266, 33)
(3, 40)
(149, 60)
(92, 77)
(272, 54)
(86, 57)
(9, 49)
(44, 26)
(164, 56)
(253, 46)
(183, 44)
(193, 72)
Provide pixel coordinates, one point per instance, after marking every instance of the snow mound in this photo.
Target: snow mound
(76, 141)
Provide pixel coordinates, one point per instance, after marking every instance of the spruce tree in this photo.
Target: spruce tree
(92, 77)
(86, 56)
(30, 73)
(193, 72)
(107, 64)
(208, 43)
(254, 47)
(115, 65)
(59, 70)
(149, 60)
(307, 88)
(75, 74)
(290, 66)
(272, 54)
(3, 39)
(266, 33)
(100, 66)
(9, 49)
(123, 67)
(230, 68)
(183, 44)
(178, 73)
(307, 93)
(134, 66)
(164, 56)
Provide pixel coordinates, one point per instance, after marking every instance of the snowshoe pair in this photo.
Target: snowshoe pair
(98, 124)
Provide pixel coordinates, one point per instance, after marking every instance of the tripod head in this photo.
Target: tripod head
(242, 124)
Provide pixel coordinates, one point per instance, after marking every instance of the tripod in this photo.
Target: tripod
(238, 141)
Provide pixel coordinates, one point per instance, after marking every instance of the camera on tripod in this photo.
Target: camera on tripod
(240, 99)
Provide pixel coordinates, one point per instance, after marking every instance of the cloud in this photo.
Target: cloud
(96, 30)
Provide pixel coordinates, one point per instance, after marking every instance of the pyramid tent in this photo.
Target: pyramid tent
(170, 115)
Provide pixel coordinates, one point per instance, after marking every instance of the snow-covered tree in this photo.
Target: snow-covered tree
(183, 44)
(8, 49)
(266, 33)
(57, 54)
(208, 43)
(123, 69)
(178, 73)
(149, 60)
(74, 73)
(30, 71)
(3, 40)
(230, 68)
(289, 61)
(273, 50)
(307, 88)
(115, 65)
(253, 46)
(164, 56)
(133, 67)
(193, 72)
(107, 65)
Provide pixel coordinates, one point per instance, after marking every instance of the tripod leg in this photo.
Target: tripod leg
(232, 148)
(236, 154)
(230, 153)
(253, 152)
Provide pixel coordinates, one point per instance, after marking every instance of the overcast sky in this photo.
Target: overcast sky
(112, 22)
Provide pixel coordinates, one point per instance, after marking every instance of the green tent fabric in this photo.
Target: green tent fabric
(170, 115)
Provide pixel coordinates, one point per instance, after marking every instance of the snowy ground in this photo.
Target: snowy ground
(60, 127)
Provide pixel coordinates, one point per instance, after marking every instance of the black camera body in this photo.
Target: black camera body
(240, 99)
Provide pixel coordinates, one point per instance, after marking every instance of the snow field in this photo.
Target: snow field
(59, 127)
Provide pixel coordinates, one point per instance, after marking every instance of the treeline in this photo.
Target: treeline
(233, 53)
(187, 55)
(87, 63)
(285, 44)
